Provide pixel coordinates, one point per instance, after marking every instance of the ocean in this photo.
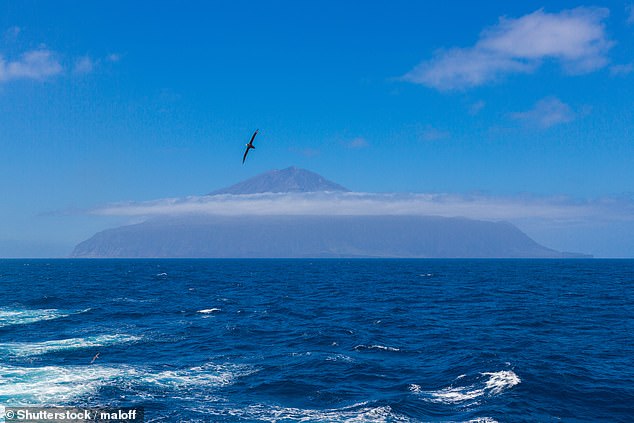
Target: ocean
(322, 340)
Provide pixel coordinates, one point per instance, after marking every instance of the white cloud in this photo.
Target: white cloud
(35, 64)
(448, 205)
(83, 65)
(547, 112)
(357, 143)
(42, 63)
(575, 39)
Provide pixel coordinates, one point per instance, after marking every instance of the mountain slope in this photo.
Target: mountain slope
(315, 236)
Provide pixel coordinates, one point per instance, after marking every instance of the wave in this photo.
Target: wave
(376, 347)
(59, 385)
(133, 300)
(209, 310)
(485, 384)
(340, 357)
(27, 349)
(207, 375)
(11, 316)
(500, 381)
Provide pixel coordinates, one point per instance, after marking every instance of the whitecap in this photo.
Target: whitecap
(27, 349)
(209, 310)
(486, 384)
(455, 395)
(206, 375)
(340, 357)
(12, 316)
(415, 388)
(500, 381)
(376, 347)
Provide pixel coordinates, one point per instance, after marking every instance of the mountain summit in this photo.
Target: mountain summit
(291, 179)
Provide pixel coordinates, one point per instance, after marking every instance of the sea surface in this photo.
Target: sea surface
(322, 340)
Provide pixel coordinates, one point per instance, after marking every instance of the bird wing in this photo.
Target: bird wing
(253, 136)
(245, 154)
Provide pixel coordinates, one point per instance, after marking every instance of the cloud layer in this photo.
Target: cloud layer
(575, 39)
(470, 206)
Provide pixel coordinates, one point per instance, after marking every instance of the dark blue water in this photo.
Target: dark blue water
(322, 340)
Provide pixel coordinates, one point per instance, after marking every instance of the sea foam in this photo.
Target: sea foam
(357, 413)
(27, 349)
(486, 384)
(51, 385)
(60, 385)
(12, 316)
(376, 347)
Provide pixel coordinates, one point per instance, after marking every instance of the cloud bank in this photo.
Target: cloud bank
(447, 205)
(575, 39)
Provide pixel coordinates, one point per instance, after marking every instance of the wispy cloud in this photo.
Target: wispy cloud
(448, 205)
(630, 11)
(476, 107)
(11, 34)
(35, 64)
(113, 57)
(547, 112)
(429, 133)
(621, 70)
(357, 143)
(83, 65)
(87, 64)
(576, 39)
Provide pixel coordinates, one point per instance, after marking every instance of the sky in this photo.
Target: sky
(514, 105)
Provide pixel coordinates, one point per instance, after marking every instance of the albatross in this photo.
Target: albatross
(249, 146)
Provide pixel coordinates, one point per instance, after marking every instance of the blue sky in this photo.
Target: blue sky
(113, 102)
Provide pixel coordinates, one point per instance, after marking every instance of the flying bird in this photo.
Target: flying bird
(94, 358)
(249, 146)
